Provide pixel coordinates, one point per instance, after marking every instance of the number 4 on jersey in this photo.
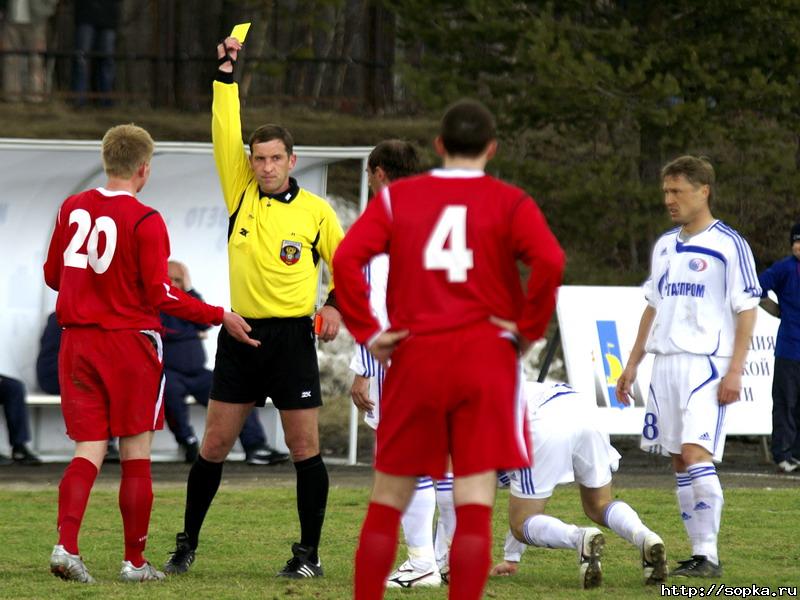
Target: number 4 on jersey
(457, 259)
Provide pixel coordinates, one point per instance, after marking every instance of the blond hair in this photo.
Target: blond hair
(125, 149)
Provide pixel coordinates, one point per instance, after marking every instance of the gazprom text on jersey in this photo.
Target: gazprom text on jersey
(696, 290)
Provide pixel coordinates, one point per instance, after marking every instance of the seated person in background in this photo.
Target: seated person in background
(12, 397)
(47, 361)
(184, 367)
(569, 446)
(47, 372)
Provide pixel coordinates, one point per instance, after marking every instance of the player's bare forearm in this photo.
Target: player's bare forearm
(624, 389)
(645, 324)
(731, 385)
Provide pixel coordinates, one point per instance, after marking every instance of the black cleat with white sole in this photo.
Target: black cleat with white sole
(299, 566)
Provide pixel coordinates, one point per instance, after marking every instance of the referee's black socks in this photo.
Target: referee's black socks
(202, 486)
(312, 498)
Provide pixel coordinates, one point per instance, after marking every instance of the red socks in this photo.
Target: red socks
(135, 503)
(377, 547)
(73, 496)
(470, 553)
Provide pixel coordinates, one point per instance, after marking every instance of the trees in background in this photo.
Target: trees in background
(593, 97)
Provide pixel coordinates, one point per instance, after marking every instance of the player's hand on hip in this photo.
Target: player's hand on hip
(504, 569)
(384, 345)
(729, 388)
(624, 385)
(523, 343)
(238, 328)
(331, 322)
(359, 391)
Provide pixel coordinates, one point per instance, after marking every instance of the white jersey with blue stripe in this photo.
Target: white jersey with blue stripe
(697, 287)
(377, 273)
(363, 363)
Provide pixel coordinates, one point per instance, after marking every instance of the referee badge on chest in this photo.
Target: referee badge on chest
(290, 251)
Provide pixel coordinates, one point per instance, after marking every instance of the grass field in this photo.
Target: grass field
(249, 531)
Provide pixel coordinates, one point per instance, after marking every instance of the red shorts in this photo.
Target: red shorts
(112, 383)
(456, 393)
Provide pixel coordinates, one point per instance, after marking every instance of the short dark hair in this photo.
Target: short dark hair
(467, 128)
(397, 158)
(269, 132)
(697, 170)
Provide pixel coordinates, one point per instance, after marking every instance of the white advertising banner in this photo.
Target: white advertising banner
(598, 328)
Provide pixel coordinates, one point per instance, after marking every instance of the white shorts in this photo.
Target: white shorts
(566, 447)
(682, 406)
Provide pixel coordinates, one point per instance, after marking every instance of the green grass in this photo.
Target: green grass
(249, 531)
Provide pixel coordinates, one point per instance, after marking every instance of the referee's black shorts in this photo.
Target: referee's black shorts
(284, 368)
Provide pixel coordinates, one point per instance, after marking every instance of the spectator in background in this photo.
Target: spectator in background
(96, 23)
(24, 42)
(47, 361)
(12, 397)
(47, 372)
(783, 278)
(184, 367)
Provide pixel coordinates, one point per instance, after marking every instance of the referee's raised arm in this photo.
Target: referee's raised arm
(233, 165)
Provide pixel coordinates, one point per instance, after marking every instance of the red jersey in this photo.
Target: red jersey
(108, 261)
(453, 237)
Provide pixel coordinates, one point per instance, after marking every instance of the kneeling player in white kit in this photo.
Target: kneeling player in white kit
(568, 446)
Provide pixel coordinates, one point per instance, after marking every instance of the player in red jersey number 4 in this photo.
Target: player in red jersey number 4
(458, 316)
(108, 262)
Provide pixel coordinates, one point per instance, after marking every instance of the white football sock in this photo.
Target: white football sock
(417, 522)
(685, 496)
(624, 521)
(708, 501)
(513, 548)
(446, 525)
(548, 532)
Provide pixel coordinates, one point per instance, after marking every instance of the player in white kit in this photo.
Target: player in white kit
(388, 161)
(702, 295)
(569, 446)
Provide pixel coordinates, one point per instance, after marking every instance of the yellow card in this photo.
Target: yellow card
(240, 31)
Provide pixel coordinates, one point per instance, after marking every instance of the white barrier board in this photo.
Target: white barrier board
(598, 327)
(37, 175)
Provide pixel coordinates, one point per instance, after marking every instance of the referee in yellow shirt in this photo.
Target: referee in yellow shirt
(277, 234)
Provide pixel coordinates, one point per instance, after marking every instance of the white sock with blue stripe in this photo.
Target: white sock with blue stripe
(446, 525)
(708, 501)
(685, 495)
(623, 520)
(417, 522)
(548, 532)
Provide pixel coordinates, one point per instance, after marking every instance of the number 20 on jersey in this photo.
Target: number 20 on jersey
(73, 257)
